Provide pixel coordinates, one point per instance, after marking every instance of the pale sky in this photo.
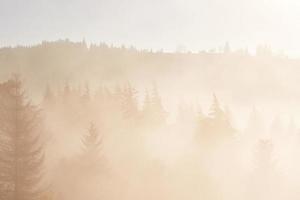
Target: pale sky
(157, 24)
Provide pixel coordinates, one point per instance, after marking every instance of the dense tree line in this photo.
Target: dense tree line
(108, 130)
(52, 62)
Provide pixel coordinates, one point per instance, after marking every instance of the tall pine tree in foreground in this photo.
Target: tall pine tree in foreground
(21, 153)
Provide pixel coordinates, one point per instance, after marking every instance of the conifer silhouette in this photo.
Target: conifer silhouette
(21, 150)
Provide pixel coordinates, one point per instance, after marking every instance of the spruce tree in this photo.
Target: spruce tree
(158, 112)
(216, 127)
(92, 144)
(215, 111)
(20, 146)
(129, 103)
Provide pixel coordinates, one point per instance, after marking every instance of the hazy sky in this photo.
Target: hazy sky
(196, 24)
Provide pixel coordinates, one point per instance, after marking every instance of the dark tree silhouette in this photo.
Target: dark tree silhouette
(216, 127)
(87, 167)
(215, 111)
(21, 151)
(129, 103)
(92, 143)
(159, 113)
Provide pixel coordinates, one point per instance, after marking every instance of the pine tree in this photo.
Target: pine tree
(215, 111)
(88, 167)
(21, 151)
(92, 143)
(146, 109)
(216, 126)
(129, 103)
(92, 160)
(157, 109)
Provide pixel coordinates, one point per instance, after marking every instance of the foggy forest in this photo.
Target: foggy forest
(94, 121)
(149, 100)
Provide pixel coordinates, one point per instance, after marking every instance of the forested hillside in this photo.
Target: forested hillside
(227, 71)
